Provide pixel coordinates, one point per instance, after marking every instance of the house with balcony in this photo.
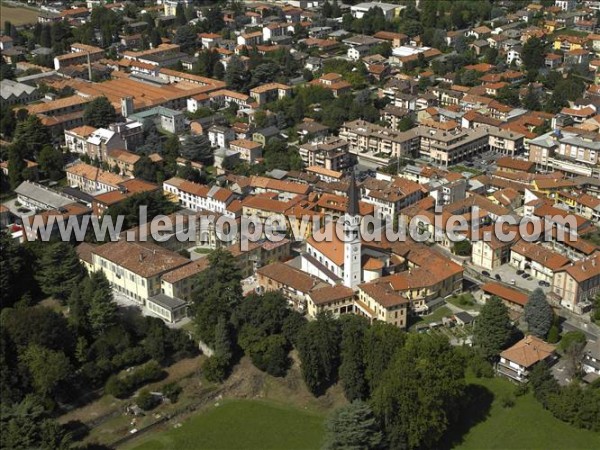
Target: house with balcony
(517, 361)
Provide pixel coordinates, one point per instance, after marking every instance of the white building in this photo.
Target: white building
(389, 10)
(198, 197)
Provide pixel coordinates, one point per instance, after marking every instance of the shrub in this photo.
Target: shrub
(172, 391)
(521, 389)
(146, 400)
(214, 370)
(507, 401)
(116, 387)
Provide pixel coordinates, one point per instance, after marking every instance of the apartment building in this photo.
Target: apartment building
(446, 148)
(379, 301)
(80, 54)
(577, 283)
(505, 142)
(270, 92)
(135, 268)
(364, 137)
(198, 197)
(123, 161)
(334, 82)
(90, 179)
(390, 194)
(249, 151)
(539, 261)
(332, 154)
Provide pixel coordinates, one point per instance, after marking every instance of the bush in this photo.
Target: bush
(214, 370)
(521, 389)
(507, 401)
(124, 387)
(116, 387)
(146, 401)
(130, 357)
(172, 391)
(481, 367)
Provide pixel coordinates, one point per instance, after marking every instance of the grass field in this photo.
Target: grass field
(17, 16)
(524, 426)
(242, 424)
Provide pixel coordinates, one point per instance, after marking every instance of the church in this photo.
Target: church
(347, 261)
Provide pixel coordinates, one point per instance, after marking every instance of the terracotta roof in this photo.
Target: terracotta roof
(90, 172)
(83, 131)
(584, 269)
(124, 156)
(324, 295)
(383, 294)
(289, 276)
(189, 270)
(142, 258)
(515, 164)
(541, 255)
(84, 252)
(505, 293)
(528, 351)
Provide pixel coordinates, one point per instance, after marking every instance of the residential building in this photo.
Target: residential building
(38, 197)
(577, 283)
(270, 92)
(198, 197)
(91, 179)
(332, 154)
(123, 161)
(134, 269)
(517, 361)
(333, 82)
(540, 262)
(249, 151)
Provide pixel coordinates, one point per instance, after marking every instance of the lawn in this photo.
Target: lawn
(435, 316)
(242, 424)
(464, 301)
(524, 426)
(18, 16)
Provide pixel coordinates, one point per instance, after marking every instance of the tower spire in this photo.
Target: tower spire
(352, 196)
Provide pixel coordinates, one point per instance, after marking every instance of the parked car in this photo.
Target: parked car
(498, 277)
(513, 282)
(485, 272)
(524, 275)
(520, 272)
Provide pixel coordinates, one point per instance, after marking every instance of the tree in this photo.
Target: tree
(12, 265)
(382, 341)
(102, 312)
(51, 162)
(492, 328)
(218, 292)
(48, 368)
(236, 75)
(39, 326)
(180, 14)
(218, 71)
(538, 314)
(145, 169)
(462, 248)
(326, 10)
(155, 39)
(531, 100)
(353, 427)
(420, 392)
(318, 347)
(30, 137)
(99, 113)
(60, 270)
(186, 37)
(352, 367)
(145, 400)
(196, 147)
(533, 54)
(543, 383)
(406, 123)
(16, 167)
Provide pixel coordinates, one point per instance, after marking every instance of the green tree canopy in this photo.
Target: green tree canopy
(538, 314)
(99, 113)
(353, 427)
(492, 328)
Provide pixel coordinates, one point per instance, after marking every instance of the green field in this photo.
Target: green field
(242, 424)
(524, 426)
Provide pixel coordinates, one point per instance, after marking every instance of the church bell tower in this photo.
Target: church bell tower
(352, 246)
